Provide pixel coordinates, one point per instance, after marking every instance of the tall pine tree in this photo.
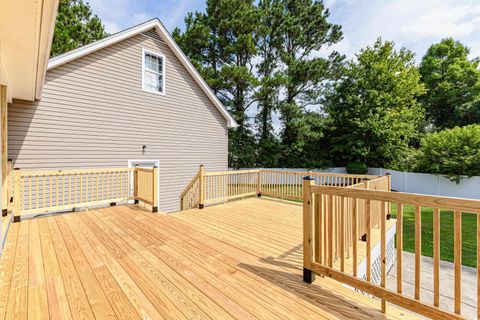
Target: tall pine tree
(75, 26)
(304, 30)
(269, 83)
(222, 44)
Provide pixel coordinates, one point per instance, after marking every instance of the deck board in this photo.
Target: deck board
(240, 260)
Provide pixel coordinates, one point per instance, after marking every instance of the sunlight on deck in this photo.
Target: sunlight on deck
(238, 260)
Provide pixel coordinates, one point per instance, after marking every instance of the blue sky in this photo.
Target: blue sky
(415, 24)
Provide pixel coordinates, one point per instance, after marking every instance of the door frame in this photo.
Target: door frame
(131, 164)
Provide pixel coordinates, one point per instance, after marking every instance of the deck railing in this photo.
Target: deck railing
(190, 197)
(217, 187)
(208, 188)
(320, 205)
(44, 191)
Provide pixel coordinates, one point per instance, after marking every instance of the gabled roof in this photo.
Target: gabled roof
(165, 35)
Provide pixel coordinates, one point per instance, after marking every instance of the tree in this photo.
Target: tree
(373, 109)
(453, 84)
(304, 29)
(75, 26)
(269, 85)
(222, 45)
(451, 152)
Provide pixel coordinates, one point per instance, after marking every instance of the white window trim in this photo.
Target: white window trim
(144, 51)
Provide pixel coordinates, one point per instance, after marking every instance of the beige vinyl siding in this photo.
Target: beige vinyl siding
(93, 113)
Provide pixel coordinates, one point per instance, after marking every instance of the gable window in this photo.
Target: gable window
(153, 72)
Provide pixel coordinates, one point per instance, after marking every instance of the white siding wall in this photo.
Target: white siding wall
(93, 113)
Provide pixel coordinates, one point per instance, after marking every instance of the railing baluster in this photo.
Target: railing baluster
(44, 181)
(457, 246)
(330, 231)
(51, 191)
(418, 250)
(383, 255)
(37, 193)
(369, 243)
(57, 194)
(355, 234)
(399, 247)
(97, 176)
(342, 233)
(30, 197)
(81, 188)
(436, 257)
(318, 227)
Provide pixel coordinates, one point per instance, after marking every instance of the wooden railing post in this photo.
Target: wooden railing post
(135, 185)
(9, 185)
(308, 275)
(155, 189)
(16, 195)
(389, 188)
(259, 183)
(201, 187)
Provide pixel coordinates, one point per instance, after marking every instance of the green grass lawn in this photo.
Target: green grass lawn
(469, 232)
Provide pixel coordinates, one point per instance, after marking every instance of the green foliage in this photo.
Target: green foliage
(451, 152)
(222, 44)
(75, 26)
(303, 30)
(373, 110)
(453, 85)
(268, 88)
(357, 168)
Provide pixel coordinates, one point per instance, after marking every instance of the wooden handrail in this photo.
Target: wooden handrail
(45, 191)
(190, 184)
(221, 186)
(190, 196)
(451, 203)
(331, 264)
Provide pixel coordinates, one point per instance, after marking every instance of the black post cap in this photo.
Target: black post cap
(307, 178)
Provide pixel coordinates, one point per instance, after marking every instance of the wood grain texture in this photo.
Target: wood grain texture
(241, 260)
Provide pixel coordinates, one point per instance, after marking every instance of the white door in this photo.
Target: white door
(148, 164)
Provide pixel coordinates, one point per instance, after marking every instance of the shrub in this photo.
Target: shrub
(357, 168)
(451, 152)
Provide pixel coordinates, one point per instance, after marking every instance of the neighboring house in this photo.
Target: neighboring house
(130, 99)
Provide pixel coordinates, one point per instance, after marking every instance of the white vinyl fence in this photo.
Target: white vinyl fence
(426, 183)
(423, 183)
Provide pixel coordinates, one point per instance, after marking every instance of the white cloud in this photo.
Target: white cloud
(410, 23)
(111, 27)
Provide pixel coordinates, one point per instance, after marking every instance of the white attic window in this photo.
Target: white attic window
(153, 72)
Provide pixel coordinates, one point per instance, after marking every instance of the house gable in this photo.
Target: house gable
(155, 29)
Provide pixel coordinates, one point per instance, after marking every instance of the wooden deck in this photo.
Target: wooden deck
(238, 260)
